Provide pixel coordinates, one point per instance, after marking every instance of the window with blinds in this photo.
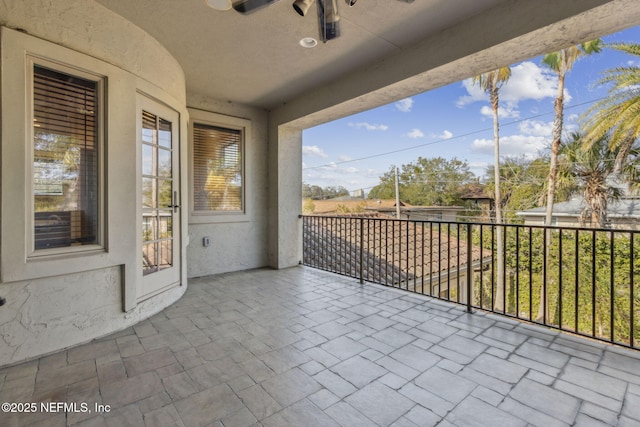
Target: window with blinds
(217, 169)
(65, 159)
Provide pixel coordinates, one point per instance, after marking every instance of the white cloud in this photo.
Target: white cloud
(478, 165)
(478, 168)
(368, 126)
(444, 135)
(528, 146)
(344, 158)
(313, 150)
(506, 111)
(536, 128)
(571, 124)
(415, 133)
(405, 105)
(475, 93)
(348, 176)
(528, 81)
(572, 117)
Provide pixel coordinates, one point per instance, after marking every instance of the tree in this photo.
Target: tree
(491, 82)
(617, 114)
(426, 181)
(316, 192)
(308, 207)
(595, 169)
(561, 62)
(522, 184)
(332, 192)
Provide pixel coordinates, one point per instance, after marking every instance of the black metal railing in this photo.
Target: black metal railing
(580, 280)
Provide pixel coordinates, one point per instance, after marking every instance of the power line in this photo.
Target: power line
(449, 139)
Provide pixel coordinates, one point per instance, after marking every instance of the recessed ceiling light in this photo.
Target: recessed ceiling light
(219, 4)
(308, 42)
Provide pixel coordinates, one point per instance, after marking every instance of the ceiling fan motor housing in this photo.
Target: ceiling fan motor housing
(248, 6)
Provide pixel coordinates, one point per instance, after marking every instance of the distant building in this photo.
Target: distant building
(477, 198)
(359, 194)
(623, 213)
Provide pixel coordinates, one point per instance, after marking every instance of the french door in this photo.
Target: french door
(158, 142)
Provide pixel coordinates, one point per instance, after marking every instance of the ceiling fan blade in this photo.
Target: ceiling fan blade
(248, 6)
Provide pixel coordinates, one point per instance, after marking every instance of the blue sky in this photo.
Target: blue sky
(456, 121)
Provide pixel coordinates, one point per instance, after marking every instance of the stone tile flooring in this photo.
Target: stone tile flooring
(302, 347)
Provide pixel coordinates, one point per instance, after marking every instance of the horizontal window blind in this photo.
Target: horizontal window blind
(217, 168)
(65, 159)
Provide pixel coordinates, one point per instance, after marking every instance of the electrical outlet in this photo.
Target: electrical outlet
(206, 241)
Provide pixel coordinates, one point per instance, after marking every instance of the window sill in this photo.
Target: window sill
(217, 217)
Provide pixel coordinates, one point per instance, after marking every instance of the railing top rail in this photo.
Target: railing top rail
(474, 223)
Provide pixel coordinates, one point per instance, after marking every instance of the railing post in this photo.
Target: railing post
(361, 250)
(469, 266)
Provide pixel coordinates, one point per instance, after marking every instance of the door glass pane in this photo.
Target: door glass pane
(147, 159)
(149, 259)
(166, 254)
(149, 192)
(147, 135)
(165, 193)
(164, 225)
(164, 133)
(164, 163)
(149, 227)
(157, 194)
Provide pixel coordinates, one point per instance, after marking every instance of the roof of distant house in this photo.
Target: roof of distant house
(628, 207)
(380, 205)
(475, 192)
(398, 245)
(352, 203)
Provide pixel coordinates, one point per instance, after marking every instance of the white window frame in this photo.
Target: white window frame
(227, 122)
(18, 258)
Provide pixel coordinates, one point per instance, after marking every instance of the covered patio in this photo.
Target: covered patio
(303, 347)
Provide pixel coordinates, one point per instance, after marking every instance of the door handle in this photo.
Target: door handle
(174, 203)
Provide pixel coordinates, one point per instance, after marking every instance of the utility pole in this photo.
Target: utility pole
(397, 195)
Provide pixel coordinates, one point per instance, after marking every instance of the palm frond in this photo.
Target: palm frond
(630, 48)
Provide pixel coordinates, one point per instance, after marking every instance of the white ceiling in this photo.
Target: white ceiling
(256, 60)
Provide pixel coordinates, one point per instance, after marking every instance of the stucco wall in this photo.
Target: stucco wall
(48, 313)
(88, 27)
(236, 244)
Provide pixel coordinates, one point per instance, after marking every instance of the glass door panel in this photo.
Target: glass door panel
(159, 197)
(157, 193)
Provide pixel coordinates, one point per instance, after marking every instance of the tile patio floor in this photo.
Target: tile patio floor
(302, 347)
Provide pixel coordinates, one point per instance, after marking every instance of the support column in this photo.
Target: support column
(285, 196)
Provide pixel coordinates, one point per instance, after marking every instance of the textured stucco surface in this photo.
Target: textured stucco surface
(46, 315)
(237, 244)
(85, 26)
(61, 302)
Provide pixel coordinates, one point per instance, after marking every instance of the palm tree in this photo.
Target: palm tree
(619, 114)
(491, 82)
(595, 167)
(561, 62)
